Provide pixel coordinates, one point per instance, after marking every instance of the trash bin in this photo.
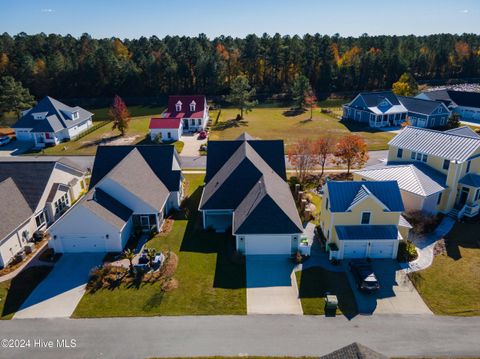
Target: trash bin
(331, 302)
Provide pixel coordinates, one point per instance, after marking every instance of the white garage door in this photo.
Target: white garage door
(268, 245)
(86, 243)
(355, 249)
(381, 250)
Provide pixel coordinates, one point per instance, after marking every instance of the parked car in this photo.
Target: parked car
(202, 135)
(364, 276)
(4, 140)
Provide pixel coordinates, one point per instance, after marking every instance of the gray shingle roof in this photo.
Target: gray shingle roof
(106, 207)
(343, 194)
(471, 179)
(14, 209)
(135, 175)
(420, 106)
(245, 137)
(464, 131)
(460, 98)
(416, 178)
(453, 147)
(354, 351)
(369, 231)
(56, 187)
(374, 98)
(56, 119)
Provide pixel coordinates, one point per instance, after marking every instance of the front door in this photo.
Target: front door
(144, 221)
(185, 124)
(463, 197)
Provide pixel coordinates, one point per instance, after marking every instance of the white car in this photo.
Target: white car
(4, 140)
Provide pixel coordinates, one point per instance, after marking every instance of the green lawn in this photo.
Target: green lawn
(451, 286)
(14, 292)
(282, 123)
(314, 283)
(208, 282)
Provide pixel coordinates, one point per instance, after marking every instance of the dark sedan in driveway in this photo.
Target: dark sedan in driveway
(364, 276)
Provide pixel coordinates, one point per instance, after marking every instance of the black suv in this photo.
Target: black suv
(364, 275)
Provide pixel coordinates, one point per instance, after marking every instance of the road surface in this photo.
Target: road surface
(272, 335)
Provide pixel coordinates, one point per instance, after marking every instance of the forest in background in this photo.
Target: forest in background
(84, 67)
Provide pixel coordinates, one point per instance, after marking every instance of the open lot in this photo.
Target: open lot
(451, 285)
(209, 283)
(283, 123)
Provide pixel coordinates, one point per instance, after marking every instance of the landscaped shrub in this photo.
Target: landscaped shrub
(407, 251)
(421, 222)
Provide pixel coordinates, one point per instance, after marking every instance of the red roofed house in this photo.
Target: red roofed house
(183, 114)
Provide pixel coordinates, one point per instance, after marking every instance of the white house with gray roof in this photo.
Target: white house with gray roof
(436, 171)
(33, 196)
(51, 122)
(131, 187)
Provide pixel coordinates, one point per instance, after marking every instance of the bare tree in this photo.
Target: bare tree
(302, 158)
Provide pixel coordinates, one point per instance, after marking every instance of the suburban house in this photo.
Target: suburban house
(34, 195)
(465, 103)
(362, 219)
(51, 122)
(184, 114)
(246, 193)
(385, 109)
(131, 187)
(436, 171)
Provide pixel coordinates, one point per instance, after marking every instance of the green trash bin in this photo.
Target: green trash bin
(331, 302)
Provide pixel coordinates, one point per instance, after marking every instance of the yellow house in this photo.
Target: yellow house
(362, 219)
(436, 171)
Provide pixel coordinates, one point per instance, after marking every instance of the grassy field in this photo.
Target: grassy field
(451, 286)
(314, 283)
(14, 292)
(282, 123)
(208, 282)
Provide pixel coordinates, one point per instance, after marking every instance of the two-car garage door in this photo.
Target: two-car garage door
(362, 249)
(81, 243)
(267, 244)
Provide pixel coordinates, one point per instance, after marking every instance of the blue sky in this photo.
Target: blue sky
(135, 18)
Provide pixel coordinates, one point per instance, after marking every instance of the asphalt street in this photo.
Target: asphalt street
(279, 335)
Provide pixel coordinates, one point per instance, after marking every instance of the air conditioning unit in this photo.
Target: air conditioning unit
(29, 248)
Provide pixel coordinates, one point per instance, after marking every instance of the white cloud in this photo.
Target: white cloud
(464, 11)
(47, 10)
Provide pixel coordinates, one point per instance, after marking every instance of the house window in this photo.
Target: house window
(439, 198)
(419, 156)
(192, 122)
(366, 217)
(192, 106)
(61, 203)
(169, 135)
(400, 152)
(424, 158)
(468, 166)
(199, 121)
(326, 204)
(75, 115)
(413, 155)
(40, 219)
(178, 106)
(446, 164)
(47, 135)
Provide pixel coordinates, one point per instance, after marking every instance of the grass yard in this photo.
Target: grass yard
(208, 282)
(282, 123)
(314, 283)
(451, 286)
(14, 292)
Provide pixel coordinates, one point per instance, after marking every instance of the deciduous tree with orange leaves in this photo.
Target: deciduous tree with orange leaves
(302, 157)
(120, 115)
(351, 151)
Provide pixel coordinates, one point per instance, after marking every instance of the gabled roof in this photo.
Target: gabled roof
(367, 231)
(186, 100)
(106, 207)
(271, 151)
(420, 106)
(31, 178)
(343, 194)
(14, 209)
(471, 179)
(416, 178)
(354, 351)
(160, 158)
(135, 175)
(55, 188)
(463, 131)
(451, 146)
(373, 99)
(245, 137)
(459, 98)
(167, 123)
(57, 116)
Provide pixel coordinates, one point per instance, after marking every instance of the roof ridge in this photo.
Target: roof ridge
(446, 133)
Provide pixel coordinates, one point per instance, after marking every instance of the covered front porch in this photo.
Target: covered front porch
(148, 222)
(468, 196)
(387, 120)
(43, 139)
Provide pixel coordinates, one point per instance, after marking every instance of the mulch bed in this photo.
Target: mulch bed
(439, 248)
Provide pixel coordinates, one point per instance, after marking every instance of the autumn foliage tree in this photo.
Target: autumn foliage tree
(323, 148)
(405, 86)
(120, 115)
(302, 157)
(351, 151)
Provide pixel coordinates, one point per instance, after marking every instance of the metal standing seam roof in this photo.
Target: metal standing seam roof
(367, 232)
(450, 146)
(402, 222)
(411, 177)
(343, 194)
(14, 209)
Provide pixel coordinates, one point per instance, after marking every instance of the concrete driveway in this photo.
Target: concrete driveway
(15, 148)
(191, 144)
(397, 295)
(57, 295)
(272, 286)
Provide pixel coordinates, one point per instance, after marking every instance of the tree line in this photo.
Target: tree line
(69, 67)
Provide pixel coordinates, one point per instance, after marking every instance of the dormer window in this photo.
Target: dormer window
(39, 115)
(178, 106)
(75, 115)
(192, 106)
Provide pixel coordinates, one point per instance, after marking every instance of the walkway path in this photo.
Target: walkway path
(425, 245)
